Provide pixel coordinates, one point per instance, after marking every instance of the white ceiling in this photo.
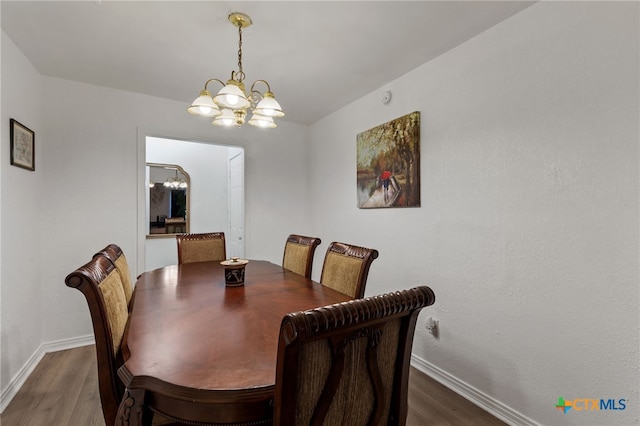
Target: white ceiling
(317, 55)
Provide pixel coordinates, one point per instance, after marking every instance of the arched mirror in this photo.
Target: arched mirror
(167, 200)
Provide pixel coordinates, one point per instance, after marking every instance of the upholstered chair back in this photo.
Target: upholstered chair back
(201, 247)
(100, 283)
(114, 253)
(346, 268)
(348, 364)
(298, 254)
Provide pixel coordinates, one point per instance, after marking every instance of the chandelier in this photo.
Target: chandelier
(175, 182)
(229, 107)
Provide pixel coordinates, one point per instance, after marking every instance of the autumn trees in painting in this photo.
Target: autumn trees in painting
(388, 164)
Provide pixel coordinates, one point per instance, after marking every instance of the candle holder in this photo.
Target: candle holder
(234, 271)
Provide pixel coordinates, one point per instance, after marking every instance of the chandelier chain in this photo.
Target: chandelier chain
(240, 72)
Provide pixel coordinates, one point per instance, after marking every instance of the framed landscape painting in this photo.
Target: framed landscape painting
(388, 164)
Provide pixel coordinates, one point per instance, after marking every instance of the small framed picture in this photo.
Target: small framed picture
(23, 153)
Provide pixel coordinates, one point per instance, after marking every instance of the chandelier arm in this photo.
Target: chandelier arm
(254, 97)
(259, 81)
(212, 79)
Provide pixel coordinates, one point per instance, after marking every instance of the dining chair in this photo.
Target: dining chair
(298, 254)
(348, 363)
(100, 283)
(201, 247)
(346, 268)
(114, 253)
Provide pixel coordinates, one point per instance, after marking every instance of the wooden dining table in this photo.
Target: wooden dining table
(198, 351)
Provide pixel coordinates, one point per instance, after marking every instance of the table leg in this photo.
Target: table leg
(132, 411)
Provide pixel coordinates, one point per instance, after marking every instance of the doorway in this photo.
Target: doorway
(216, 194)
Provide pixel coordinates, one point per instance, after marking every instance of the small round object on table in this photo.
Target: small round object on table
(234, 271)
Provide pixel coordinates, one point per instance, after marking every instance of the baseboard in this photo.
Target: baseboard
(18, 380)
(468, 392)
(489, 404)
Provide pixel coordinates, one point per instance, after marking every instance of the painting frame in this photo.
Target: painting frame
(388, 164)
(22, 146)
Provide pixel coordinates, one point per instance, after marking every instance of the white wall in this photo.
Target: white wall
(21, 222)
(528, 230)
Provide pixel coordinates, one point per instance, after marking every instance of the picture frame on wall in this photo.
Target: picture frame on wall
(388, 164)
(23, 152)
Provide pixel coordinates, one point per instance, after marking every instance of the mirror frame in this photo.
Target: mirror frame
(188, 193)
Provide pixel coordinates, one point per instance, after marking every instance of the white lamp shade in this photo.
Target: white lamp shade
(204, 106)
(227, 118)
(231, 96)
(269, 107)
(262, 121)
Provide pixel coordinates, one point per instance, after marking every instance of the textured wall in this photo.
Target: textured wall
(528, 230)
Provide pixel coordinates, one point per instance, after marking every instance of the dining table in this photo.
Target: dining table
(198, 351)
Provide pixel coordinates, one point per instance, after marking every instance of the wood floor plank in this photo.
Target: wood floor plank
(431, 403)
(26, 403)
(63, 391)
(87, 410)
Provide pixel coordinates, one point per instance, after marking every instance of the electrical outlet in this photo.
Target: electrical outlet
(432, 326)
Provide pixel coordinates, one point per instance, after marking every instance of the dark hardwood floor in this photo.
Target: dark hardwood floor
(63, 391)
